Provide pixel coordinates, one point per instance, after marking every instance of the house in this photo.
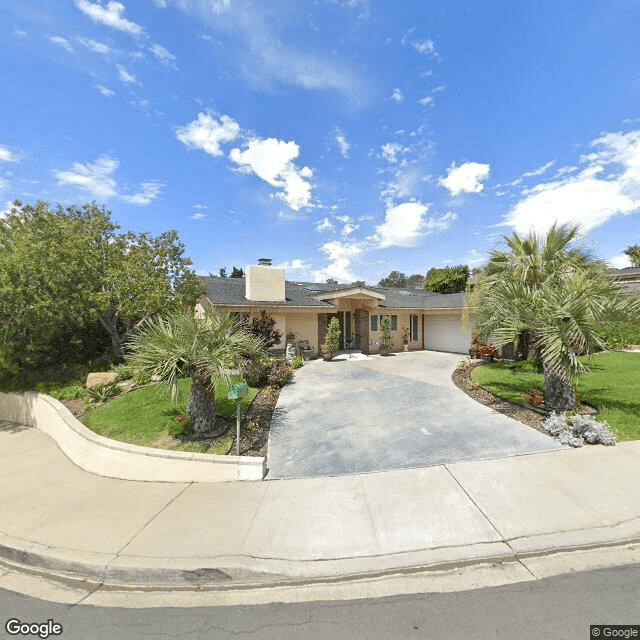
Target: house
(303, 310)
(628, 279)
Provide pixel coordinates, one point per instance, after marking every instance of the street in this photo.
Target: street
(556, 608)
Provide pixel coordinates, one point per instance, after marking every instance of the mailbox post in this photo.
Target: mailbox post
(237, 392)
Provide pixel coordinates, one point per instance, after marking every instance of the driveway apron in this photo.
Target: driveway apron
(400, 412)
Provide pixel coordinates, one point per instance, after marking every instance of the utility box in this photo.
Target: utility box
(237, 391)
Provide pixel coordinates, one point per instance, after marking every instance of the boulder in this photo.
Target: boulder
(100, 378)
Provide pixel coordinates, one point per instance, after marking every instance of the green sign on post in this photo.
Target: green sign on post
(237, 392)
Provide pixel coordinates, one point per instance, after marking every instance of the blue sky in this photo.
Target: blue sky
(341, 138)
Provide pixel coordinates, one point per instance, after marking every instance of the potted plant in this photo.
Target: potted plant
(405, 338)
(386, 339)
(331, 343)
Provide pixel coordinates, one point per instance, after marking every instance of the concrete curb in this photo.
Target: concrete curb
(151, 573)
(112, 459)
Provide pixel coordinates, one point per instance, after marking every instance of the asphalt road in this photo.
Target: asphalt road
(558, 608)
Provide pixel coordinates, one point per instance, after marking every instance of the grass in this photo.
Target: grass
(147, 416)
(611, 387)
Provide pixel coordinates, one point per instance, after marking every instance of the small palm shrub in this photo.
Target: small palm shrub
(125, 371)
(102, 392)
(142, 377)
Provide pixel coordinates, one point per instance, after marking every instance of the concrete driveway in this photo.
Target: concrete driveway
(398, 412)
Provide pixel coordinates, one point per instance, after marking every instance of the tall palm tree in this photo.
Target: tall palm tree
(556, 293)
(182, 345)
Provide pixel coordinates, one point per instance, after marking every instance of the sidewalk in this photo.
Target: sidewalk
(59, 518)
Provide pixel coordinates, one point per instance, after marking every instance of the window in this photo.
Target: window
(394, 323)
(414, 328)
(374, 323)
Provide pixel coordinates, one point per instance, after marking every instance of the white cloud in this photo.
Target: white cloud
(272, 161)
(540, 170)
(198, 216)
(466, 178)
(405, 224)
(162, 54)
(295, 265)
(126, 76)
(97, 179)
(112, 16)
(342, 142)
(324, 225)
(391, 150)
(607, 185)
(62, 42)
(149, 191)
(349, 228)
(620, 261)
(341, 255)
(200, 206)
(424, 46)
(105, 91)
(207, 133)
(6, 155)
(426, 101)
(19, 32)
(95, 46)
(397, 95)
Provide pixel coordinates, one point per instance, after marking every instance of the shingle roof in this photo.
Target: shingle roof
(231, 292)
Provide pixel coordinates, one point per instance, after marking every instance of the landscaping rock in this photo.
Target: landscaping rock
(101, 378)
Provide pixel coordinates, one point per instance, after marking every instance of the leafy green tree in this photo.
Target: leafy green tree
(559, 294)
(634, 254)
(69, 266)
(331, 342)
(237, 272)
(415, 281)
(222, 272)
(395, 279)
(447, 279)
(181, 345)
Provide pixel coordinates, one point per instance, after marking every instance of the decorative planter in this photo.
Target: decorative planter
(327, 356)
(384, 352)
(405, 347)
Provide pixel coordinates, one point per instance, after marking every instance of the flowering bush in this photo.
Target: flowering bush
(534, 397)
(578, 430)
(481, 349)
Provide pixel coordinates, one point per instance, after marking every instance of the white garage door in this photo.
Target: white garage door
(445, 333)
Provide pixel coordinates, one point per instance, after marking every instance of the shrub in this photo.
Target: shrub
(331, 342)
(102, 392)
(125, 371)
(386, 339)
(262, 326)
(617, 335)
(256, 374)
(71, 392)
(297, 362)
(481, 349)
(534, 397)
(141, 378)
(578, 430)
(280, 373)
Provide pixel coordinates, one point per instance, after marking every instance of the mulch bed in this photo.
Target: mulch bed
(462, 379)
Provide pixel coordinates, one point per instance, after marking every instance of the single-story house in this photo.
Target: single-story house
(628, 279)
(303, 310)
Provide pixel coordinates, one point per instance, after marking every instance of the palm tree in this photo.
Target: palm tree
(182, 345)
(556, 293)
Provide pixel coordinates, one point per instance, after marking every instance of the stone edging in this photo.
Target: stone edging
(113, 459)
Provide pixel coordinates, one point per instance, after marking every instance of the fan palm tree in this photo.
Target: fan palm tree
(182, 345)
(556, 293)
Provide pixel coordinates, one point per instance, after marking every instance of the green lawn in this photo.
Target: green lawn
(612, 386)
(147, 415)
